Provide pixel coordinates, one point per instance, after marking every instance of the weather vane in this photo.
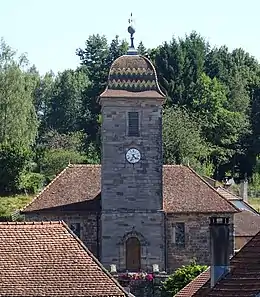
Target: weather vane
(131, 30)
(130, 21)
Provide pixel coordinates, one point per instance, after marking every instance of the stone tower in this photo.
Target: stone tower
(132, 219)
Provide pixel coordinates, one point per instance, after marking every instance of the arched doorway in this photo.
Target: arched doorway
(133, 254)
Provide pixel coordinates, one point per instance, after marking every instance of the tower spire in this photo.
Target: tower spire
(131, 31)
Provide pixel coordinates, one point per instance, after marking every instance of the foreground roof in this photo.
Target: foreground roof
(183, 190)
(194, 285)
(46, 259)
(243, 280)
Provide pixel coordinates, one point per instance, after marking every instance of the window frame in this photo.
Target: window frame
(176, 234)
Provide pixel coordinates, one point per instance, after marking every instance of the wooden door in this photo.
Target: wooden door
(133, 254)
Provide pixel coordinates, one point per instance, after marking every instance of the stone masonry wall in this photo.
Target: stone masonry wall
(147, 227)
(197, 240)
(132, 193)
(88, 225)
(124, 185)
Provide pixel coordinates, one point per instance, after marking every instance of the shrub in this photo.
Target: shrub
(181, 277)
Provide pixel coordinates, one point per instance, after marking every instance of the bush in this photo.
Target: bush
(31, 182)
(181, 277)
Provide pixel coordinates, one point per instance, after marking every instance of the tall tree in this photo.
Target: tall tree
(18, 123)
(65, 110)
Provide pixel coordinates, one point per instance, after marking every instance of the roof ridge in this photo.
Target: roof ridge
(45, 188)
(181, 293)
(209, 185)
(83, 165)
(33, 223)
(94, 258)
(174, 165)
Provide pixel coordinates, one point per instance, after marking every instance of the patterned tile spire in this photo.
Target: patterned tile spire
(132, 75)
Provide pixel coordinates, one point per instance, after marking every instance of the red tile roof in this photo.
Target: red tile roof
(76, 183)
(244, 277)
(183, 190)
(243, 280)
(46, 259)
(194, 285)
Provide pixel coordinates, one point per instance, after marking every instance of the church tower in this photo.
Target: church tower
(132, 219)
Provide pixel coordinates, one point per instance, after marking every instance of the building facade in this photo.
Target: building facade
(132, 211)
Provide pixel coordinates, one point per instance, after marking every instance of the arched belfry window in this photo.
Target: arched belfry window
(133, 254)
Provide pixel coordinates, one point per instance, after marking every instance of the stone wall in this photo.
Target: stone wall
(132, 193)
(88, 224)
(148, 227)
(197, 240)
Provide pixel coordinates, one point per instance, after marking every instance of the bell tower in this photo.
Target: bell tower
(132, 220)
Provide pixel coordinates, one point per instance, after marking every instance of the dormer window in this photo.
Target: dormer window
(133, 123)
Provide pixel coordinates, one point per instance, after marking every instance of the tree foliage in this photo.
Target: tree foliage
(181, 277)
(210, 119)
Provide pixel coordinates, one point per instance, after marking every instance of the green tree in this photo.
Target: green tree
(65, 110)
(181, 277)
(182, 139)
(18, 123)
(13, 161)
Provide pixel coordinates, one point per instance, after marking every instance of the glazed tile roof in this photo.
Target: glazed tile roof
(76, 183)
(132, 76)
(46, 259)
(194, 285)
(183, 190)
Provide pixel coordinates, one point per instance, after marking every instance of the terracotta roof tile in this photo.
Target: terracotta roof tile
(76, 183)
(46, 259)
(183, 190)
(194, 285)
(244, 277)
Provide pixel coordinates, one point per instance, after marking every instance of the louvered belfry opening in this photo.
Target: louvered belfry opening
(133, 123)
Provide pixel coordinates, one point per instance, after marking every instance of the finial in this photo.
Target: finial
(131, 31)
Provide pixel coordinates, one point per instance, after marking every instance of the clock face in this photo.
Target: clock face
(133, 155)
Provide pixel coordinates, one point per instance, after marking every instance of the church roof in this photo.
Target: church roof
(183, 191)
(47, 259)
(75, 184)
(132, 76)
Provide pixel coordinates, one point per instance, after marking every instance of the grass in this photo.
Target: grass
(255, 202)
(10, 204)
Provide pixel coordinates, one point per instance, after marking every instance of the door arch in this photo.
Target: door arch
(133, 254)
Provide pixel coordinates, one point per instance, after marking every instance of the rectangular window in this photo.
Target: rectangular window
(133, 123)
(75, 227)
(179, 234)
